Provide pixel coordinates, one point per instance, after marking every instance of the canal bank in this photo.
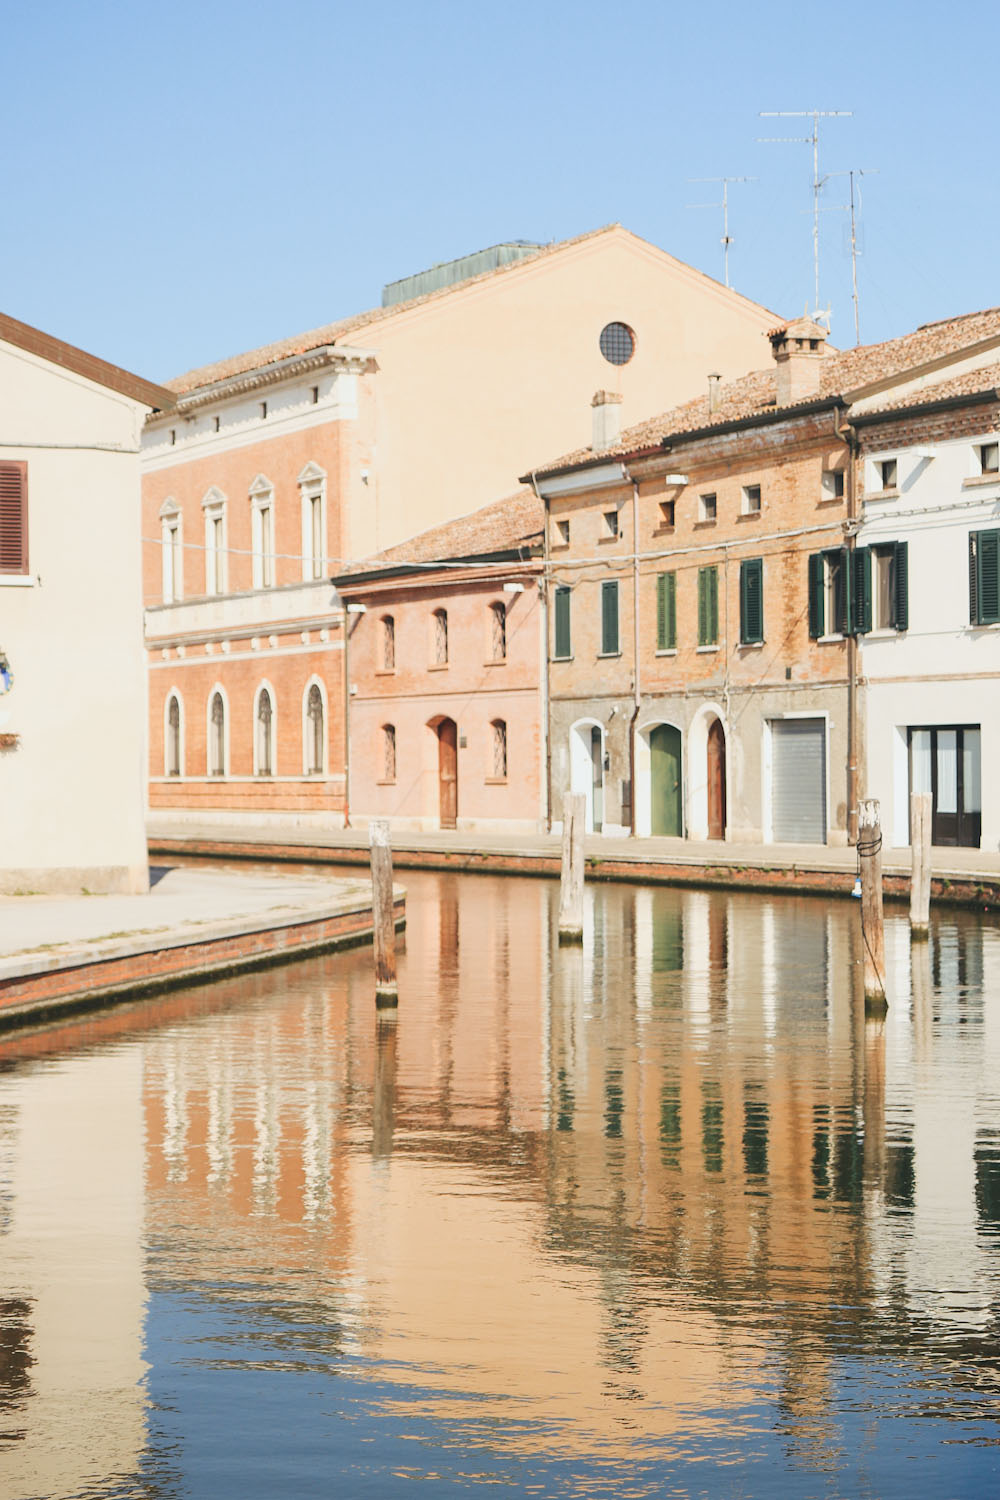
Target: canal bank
(961, 877)
(70, 953)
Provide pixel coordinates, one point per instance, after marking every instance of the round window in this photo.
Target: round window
(617, 343)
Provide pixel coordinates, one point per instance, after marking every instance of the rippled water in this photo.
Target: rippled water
(663, 1215)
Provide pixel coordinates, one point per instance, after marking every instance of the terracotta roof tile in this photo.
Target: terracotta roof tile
(970, 383)
(501, 526)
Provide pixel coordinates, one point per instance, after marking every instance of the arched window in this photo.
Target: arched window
(388, 643)
(171, 552)
(388, 752)
(440, 637)
(173, 745)
(217, 736)
(499, 729)
(264, 735)
(315, 732)
(498, 631)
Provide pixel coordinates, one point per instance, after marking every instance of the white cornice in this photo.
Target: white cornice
(353, 361)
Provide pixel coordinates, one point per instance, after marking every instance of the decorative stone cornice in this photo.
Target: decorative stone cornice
(351, 361)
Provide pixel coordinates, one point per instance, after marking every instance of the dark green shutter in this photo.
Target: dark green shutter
(861, 562)
(702, 609)
(901, 590)
(752, 601)
(708, 606)
(666, 611)
(714, 606)
(989, 577)
(845, 603)
(609, 617)
(563, 646)
(973, 581)
(816, 595)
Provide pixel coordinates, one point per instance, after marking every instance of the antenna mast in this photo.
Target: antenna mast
(806, 140)
(727, 238)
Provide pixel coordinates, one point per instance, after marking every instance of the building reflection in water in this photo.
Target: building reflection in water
(626, 1190)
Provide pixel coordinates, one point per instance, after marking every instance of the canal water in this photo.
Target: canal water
(661, 1215)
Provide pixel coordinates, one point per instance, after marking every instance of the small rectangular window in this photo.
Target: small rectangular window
(388, 752)
(989, 458)
(708, 606)
(833, 484)
(751, 499)
(218, 423)
(561, 538)
(706, 507)
(888, 473)
(563, 642)
(667, 512)
(610, 523)
(609, 617)
(315, 395)
(173, 437)
(263, 409)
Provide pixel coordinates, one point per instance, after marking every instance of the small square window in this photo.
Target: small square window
(833, 484)
(218, 423)
(263, 409)
(751, 499)
(562, 534)
(315, 395)
(666, 512)
(610, 523)
(706, 507)
(888, 473)
(989, 458)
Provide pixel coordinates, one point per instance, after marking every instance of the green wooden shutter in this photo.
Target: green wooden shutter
(752, 601)
(816, 595)
(666, 611)
(702, 606)
(609, 617)
(988, 577)
(861, 566)
(563, 639)
(901, 591)
(671, 612)
(713, 607)
(973, 580)
(845, 602)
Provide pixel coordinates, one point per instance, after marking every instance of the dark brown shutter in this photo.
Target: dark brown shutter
(13, 517)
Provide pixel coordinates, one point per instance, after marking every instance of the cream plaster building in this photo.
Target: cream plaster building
(72, 688)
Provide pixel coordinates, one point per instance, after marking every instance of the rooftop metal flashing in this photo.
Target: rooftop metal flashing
(451, 272)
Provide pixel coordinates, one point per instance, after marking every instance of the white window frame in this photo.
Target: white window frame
(312, 489)
(307, 770)
(272, 774)
(209, 732)
(747, 508)
(262, 532)
(172, 551)
(216, 542)
(172, 693)
(708, 502)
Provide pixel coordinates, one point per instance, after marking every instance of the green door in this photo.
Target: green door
(665, 780)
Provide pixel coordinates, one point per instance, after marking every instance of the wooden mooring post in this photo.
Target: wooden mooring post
(571, 882)
(383, 916)
(921, 805)
(872, 925)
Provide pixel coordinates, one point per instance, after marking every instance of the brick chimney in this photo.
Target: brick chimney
(799, 347)
(607, 424)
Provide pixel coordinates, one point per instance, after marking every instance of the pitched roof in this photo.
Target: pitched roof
(502, 526)
(69, 357)
(984, 381)
(840, 373)
(332, 333)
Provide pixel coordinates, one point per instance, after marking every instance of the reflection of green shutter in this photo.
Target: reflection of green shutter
(609, 617)
(816, 595)
(666, 611)
(752, 601)
(862, 590)
(563, 646)
(901, 601)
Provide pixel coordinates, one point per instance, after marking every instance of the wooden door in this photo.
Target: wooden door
(665, 780)
(447, 733)
(716, 781)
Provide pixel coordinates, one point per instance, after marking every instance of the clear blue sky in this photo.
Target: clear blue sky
(182, 182)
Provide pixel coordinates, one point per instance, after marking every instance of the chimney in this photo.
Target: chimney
(607, 424)
(799, 347)
(714, 393)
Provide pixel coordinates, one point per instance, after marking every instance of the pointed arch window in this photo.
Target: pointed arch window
(312, 489)
(498, 631)
(171, 552)
(388, 643)
(262, 532)
(173, 744)
(499, 729)
(217, 736)
(214, 507)
(264, 735)
(440, 637)
(388, 752)
(315, 731)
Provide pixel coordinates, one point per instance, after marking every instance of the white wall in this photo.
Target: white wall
(73, 791)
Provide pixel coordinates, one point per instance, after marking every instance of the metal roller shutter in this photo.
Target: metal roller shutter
(798, 780)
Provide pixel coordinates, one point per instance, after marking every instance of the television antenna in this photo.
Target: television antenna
(727, 238)
(854, 209)
(806, 140)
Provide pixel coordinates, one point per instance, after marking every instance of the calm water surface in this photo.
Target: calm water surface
(663, 1215)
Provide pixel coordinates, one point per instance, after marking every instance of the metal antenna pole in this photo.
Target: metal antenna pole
(853, 210)
(806, 140)
(727, 239)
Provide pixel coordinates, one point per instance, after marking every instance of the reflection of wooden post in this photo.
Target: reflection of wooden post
(384, 1102)
(920, 878)
(874, 1102)
(872, 929)
(571, 884)
(383, 922)
(922, 985)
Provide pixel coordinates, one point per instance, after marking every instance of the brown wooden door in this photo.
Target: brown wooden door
(716, 781)
(447, 734)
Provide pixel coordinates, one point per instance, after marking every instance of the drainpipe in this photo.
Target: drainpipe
(637, 685)
(850, 437)
(546, 714)
(347, 722)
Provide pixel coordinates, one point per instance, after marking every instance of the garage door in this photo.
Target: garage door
(798, 780)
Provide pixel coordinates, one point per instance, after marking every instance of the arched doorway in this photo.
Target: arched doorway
(716, 768)
(666, 816)
(587, 770)
(447, 738)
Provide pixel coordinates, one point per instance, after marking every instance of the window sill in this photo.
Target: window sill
(829, 640)
(667, 651)
(882, 633)
(663, 530)
(700, 525)
(880, 495)
(976, 481)
(751, 645)
(749, 515)
(495, 780)
(17, 581)
(385, 671)
(385, 783)
(438, 666)
(604, 541)
(498, 661)
(608, 655)
(703, 650)
(555, 660)
(559, 546)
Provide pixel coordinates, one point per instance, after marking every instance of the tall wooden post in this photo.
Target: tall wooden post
(383, 919)
(872, 928)
(571, 883)
(921, 807)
